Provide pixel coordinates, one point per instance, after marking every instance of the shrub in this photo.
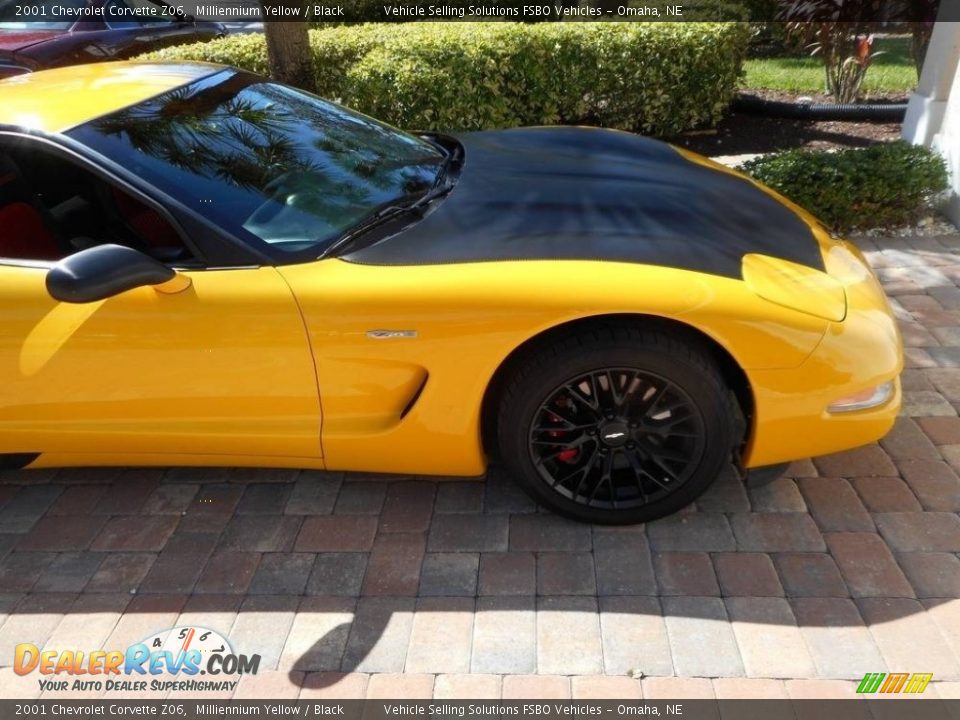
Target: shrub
(879, 186)
(769, 37)
(660, 78)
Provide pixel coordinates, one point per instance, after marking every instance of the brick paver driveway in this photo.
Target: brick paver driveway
(349, 585)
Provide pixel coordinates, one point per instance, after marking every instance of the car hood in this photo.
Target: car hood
(589, 194)
(12, 41)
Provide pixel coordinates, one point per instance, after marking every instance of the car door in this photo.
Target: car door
(217, 365)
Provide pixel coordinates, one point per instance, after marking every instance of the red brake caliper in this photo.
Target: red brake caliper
(565, 456)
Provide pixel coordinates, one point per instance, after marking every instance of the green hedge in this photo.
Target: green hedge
(879, 186)
(658, 78)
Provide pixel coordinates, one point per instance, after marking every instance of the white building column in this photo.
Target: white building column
(933, 116)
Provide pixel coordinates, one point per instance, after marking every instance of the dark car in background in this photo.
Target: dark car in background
(73, 32)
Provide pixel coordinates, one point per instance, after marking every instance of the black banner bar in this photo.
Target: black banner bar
(253, 11)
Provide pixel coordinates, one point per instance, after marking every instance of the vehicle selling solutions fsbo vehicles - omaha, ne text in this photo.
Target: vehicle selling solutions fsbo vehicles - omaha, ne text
(200, 266)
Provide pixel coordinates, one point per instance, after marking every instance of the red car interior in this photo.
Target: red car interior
(24, 236)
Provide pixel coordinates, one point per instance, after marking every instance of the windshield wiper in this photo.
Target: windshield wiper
(390, 212)
(409, 204)
(454, 155)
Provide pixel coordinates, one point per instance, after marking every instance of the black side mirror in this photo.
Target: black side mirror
(104, 271)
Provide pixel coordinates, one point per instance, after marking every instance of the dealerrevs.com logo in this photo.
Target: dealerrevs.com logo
(182, 659)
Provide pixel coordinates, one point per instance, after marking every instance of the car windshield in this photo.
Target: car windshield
(276, 167)
(18, 15)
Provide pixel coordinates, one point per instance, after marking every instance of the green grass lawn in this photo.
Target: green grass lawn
(892, 72)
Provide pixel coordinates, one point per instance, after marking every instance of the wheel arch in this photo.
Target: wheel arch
(733, 374)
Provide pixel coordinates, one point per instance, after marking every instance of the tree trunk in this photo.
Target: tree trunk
(920, 42)
(288, 49)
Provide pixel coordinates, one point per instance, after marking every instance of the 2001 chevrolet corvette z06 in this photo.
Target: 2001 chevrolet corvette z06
(203, 267)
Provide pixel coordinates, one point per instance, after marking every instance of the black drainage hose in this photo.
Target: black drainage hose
(887, 112)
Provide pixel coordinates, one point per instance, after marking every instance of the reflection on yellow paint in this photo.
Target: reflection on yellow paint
(30, 121)
(52, 333)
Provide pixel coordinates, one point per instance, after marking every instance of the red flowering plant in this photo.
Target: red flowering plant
(840, 32)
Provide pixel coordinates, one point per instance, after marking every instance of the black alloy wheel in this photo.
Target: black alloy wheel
(617, 438)
(617, 425)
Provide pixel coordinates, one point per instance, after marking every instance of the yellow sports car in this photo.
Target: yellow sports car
(201, 267)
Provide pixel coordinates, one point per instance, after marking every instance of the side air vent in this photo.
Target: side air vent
(15, 461)
(415, 397)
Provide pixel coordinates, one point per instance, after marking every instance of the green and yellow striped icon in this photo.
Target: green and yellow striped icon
(894, 683)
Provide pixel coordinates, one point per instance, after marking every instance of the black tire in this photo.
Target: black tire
(663, 426)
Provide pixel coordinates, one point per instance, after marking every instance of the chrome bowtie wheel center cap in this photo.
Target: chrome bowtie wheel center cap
(614, 434)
